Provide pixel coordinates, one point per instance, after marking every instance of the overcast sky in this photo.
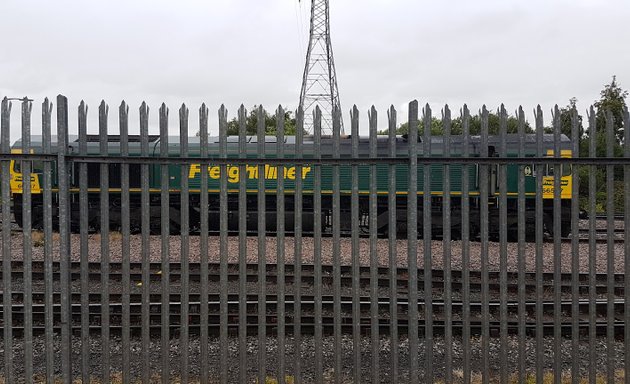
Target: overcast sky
(253, 51)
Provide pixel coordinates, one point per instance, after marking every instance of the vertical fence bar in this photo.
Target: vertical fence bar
(592, 249)
(262, 252)
(281, 248)
(299, 154)
(223, 248)
(539, 250)
(483, 195)
(27, 245)
(146, 251)
(185, 241)
(503, 251)
(373, 214)
(521, 266)
(427, 206)
(412, 242)
(575, 251)
(47, 221)
(64, 238)
(84, 246)
(317, 243)
(356, 283)
(336, 207)
(203, 269)
(7, 315)
(466, 246)
(103, 111)
(242, 247)
(557, 249)
(165, 230)
(446, 241)
(626, 227)
(125, 211)
(392, 250)
(610, 249)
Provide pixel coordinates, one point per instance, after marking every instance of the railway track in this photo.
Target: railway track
(583, 235)
(307, 276)
(307, 320)
(154, 302)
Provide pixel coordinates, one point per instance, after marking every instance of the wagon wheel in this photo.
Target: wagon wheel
(548, 224)
(174, 228)
(37, 217)
(456, 233)
(565, 228)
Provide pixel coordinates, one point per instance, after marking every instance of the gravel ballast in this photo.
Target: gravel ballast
(600, 258)
(307, 357)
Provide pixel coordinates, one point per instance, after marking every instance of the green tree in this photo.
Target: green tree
(251, 124)
(566, 120)
(457, 128)
(403, 129)
(494, 124)
(613, 99)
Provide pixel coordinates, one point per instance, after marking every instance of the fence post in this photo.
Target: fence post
(6, 241)
(185, 241)
(64, 237)
(427, 233)
(123, 116)
(392, 249)
(412, 241)
(262, 250)
(48, 257)
(103, 111)
(165, 230)
(84, 245)
(626, 226)
(27, 245)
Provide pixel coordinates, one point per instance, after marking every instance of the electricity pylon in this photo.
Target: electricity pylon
(319, 83)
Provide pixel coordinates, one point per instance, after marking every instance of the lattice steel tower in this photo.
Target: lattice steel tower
(319, 83)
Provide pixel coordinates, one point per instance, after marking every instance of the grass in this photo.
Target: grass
(548, 378)
(38, 238)
(273, 380)
(115, 236)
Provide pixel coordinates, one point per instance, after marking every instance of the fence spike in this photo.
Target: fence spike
(123, 110)
(83, 107)
(183, 112)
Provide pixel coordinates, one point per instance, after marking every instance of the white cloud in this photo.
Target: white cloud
(386, 52)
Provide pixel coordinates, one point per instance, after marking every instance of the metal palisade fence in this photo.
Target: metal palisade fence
(472, 249)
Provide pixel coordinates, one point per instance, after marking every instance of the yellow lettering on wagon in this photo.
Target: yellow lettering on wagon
(194, 169)
(566, 184)
(566, 181)
(252, 172)
(213, 172)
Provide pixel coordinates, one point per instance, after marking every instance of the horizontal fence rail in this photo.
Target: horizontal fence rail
(312, 161)
(465, 249)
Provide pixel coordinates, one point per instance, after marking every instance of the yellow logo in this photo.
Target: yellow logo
(16, 179)
(251, 172)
